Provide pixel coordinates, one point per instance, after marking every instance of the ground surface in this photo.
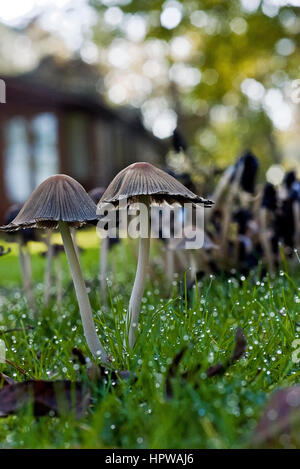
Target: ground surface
(201, 412)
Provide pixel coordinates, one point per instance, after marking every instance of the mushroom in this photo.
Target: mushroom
(4, 251)
(62, 202)
(96, 195)
(48, 268)
(293, 188)
(143, 183)
(194, 239)
(56, 250)
(265, 215)
(239, 179)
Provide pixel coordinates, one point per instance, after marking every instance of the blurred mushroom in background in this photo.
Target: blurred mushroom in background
(143, 184)
(106, 243)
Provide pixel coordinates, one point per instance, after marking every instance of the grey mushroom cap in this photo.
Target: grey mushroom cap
(143, 179)
(58, 198)
(97, 193)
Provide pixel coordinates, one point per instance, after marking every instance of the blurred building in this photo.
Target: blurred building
(54, 121)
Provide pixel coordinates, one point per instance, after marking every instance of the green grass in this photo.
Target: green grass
(218, 412)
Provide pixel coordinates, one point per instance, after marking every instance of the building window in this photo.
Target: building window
(79, 146)
(31, 154)
(44, 128)
(17, 157)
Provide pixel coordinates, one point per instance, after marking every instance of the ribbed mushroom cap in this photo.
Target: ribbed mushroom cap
(143, 179)
(26, 235)
(58, 198)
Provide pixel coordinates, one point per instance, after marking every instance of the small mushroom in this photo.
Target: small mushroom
(201, 242)
(48, 268)
(56, 251)
(4, 251)
(143, 183)
(62, 202)
(265, 215)
(22, 239)
(293, 188)
(249, 173)
(96, 195)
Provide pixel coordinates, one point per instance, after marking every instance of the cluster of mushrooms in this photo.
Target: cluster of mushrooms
(60, 202)
(251, 229)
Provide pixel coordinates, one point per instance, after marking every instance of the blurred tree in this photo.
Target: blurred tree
(225, 67)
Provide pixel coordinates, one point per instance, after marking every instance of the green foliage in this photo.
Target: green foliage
(220, 412)
(231, 52)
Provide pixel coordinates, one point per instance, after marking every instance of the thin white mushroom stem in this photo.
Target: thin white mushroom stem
(140, 278)
(181, 259)
(138, 289)
(25, 266)
(76, 247)
(90, 333)
(169, 264)
(228, 209)
(48, 269)
(222, 184)
(193, 265)
(265, 240)
(296, 213)
(103, 266)
(59, 278)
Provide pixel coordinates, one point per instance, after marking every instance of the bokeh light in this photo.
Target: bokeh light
(275, 174)
(171, 15)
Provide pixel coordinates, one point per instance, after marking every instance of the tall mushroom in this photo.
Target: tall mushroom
(143, 183)
(62, 202)
(48, 269)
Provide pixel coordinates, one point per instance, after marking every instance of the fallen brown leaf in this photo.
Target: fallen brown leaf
(279, 425)
(47, 397)
(55, 397)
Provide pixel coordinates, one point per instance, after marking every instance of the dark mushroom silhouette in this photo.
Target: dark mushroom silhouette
(178, 141)
(250, 168)
(61, 202)
(293, 188)
(4, 251)
(143, 183)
